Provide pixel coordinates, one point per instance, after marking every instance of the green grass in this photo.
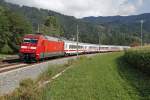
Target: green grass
(53, 70)
(96, 78)
(2, 56)
(103, 77)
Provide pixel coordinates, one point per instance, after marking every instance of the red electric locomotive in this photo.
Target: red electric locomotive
(36, 47)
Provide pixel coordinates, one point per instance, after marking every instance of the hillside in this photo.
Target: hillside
(69, 23)
(116, 30)
(124, 24)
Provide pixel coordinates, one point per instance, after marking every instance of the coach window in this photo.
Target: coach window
(72, 46)
(75, 47)
(65, 45)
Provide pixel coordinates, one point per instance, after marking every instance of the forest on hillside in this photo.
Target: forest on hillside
(12, 27)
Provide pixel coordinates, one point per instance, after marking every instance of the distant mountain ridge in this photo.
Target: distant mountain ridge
(123, 19)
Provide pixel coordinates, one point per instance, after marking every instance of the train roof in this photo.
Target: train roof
(31, 36)
(50, 38)
(74, 42)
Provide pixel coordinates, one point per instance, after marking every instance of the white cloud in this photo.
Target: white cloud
(83, 8)
(140, 2)
(126, 8)
(130, 7)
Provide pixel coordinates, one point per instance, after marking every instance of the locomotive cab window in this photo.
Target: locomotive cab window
(29, 40)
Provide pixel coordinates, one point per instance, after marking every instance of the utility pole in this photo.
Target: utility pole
(99, 41)
(77, 40)
(142, 21)
(38, 28)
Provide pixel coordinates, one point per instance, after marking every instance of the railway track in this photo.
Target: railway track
(7, 66)
(12, 64)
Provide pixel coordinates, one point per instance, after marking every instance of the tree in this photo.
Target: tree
(12, 27)
(19, 27)
(52, 27)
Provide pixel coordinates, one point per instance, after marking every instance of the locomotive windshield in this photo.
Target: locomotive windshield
(29, 40)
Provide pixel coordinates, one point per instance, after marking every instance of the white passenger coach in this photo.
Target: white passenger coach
(70, 48)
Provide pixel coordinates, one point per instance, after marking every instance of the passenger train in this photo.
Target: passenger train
(37, 46)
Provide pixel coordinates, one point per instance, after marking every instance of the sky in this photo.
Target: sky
(85, 8)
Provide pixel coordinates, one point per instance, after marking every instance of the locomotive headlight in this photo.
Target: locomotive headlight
(23, 47)
(33, 48)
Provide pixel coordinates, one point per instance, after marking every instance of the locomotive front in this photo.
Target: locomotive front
(28, 48)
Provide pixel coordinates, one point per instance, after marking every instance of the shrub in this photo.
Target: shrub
(6, 49)
(139, 58)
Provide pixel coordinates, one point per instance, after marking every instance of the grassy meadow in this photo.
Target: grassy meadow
(103, 77)
(96, 78)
